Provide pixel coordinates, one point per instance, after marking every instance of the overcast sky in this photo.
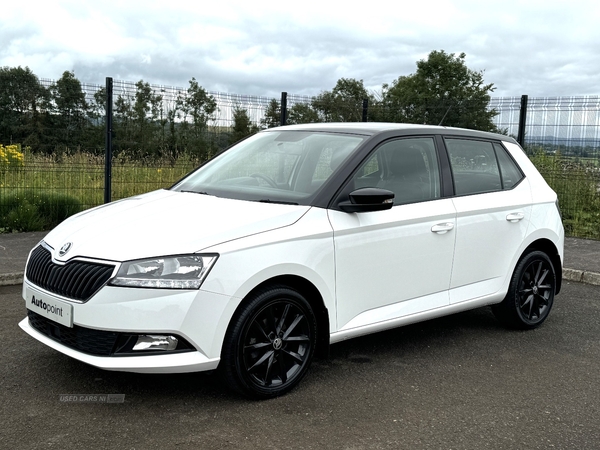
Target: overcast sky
(540, 48)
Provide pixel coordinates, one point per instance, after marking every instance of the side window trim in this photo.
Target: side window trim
(447, 178)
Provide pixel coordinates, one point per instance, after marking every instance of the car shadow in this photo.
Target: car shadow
(406, 342)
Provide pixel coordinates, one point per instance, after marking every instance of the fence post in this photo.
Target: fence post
(522, 121)
(283, 108)
(365, 109)
(108, 152)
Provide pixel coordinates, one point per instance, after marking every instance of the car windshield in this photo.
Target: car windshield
(276, 166)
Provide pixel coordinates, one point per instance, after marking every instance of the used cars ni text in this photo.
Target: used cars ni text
(295, 239)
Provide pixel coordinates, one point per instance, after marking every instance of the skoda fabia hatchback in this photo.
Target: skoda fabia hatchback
(294, 239)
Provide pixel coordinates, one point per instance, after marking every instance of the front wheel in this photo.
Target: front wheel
(270, 343)
(531, 293)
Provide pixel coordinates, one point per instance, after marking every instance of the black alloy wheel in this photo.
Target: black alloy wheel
(531, 293)
(270, 344)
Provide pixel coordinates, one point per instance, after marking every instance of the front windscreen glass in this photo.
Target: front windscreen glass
(275, 166)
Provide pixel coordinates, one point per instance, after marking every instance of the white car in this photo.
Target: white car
(294, 239)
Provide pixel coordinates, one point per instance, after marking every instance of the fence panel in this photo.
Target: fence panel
(562, 136)
(570, 125)
(508, 109)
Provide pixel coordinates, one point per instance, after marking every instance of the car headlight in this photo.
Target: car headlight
(169, 272)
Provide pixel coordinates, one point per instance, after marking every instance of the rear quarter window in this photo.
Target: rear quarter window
(510, 172)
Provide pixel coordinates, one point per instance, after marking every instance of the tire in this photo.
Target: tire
(531, 293)
(270, 343)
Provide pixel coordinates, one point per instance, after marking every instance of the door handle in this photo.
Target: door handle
(515, 217)
(442, 228)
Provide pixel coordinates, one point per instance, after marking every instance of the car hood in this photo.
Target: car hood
(165, 223)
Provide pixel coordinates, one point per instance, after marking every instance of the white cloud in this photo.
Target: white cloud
(265, 47)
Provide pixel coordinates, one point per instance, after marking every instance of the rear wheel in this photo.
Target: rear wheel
(270, 343)
(531, 293)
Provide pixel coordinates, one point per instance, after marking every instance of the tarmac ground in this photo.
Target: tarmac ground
(461, 382)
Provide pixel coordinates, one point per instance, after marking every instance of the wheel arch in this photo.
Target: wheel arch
(310, 292)
(548, 247)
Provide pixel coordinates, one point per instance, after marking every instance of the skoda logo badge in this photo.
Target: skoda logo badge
(65, 249)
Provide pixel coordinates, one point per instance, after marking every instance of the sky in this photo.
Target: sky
(259, 47)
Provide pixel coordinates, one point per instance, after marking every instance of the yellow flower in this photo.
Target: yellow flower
(11, 157)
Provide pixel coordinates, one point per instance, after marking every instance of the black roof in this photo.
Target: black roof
(373, 128)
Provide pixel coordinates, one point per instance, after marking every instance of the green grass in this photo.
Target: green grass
(36, 196)
(577, 184)
(35, 211)
(47, 189)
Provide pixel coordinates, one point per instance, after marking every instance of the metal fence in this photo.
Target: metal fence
(570, 125)
(561, 135)
(255, 105)
(567, 123)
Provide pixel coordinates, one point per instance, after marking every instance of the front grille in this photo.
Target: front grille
(86, 340)
(77, 280)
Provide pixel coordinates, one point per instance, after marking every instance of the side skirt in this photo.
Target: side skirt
(447, 310)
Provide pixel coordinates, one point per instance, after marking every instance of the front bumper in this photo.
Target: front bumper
(173, 363)
(199, 317)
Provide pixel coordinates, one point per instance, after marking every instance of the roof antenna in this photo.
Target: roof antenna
(447, 111)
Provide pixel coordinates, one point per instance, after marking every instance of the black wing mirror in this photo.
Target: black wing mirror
(368, 199)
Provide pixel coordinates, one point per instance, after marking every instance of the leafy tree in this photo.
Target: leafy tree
(200, 105)
(95, 131)
(168, 135)
(24, 105)
(344, 103)
(442, 90)
(195, 110)
(302, 113)
(70, 108)
(146, 109)
(136, 120)
(123, 121)
(97, 108)
(242, 125)
(272, 116)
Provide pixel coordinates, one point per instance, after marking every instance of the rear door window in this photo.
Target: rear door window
(480, 166)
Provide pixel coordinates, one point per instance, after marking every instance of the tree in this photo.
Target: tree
(146, 111)
(199, 106)
(242, 125)
(343, 103)
(123, 121)
(24, 104)
(443, 90)
(95, 131)
(272, 116)
(70, 108)
(302, 113)
(137, 120)
(168, 113)
(97, 108)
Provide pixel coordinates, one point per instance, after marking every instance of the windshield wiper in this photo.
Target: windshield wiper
(280, 202)
(196, 192)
